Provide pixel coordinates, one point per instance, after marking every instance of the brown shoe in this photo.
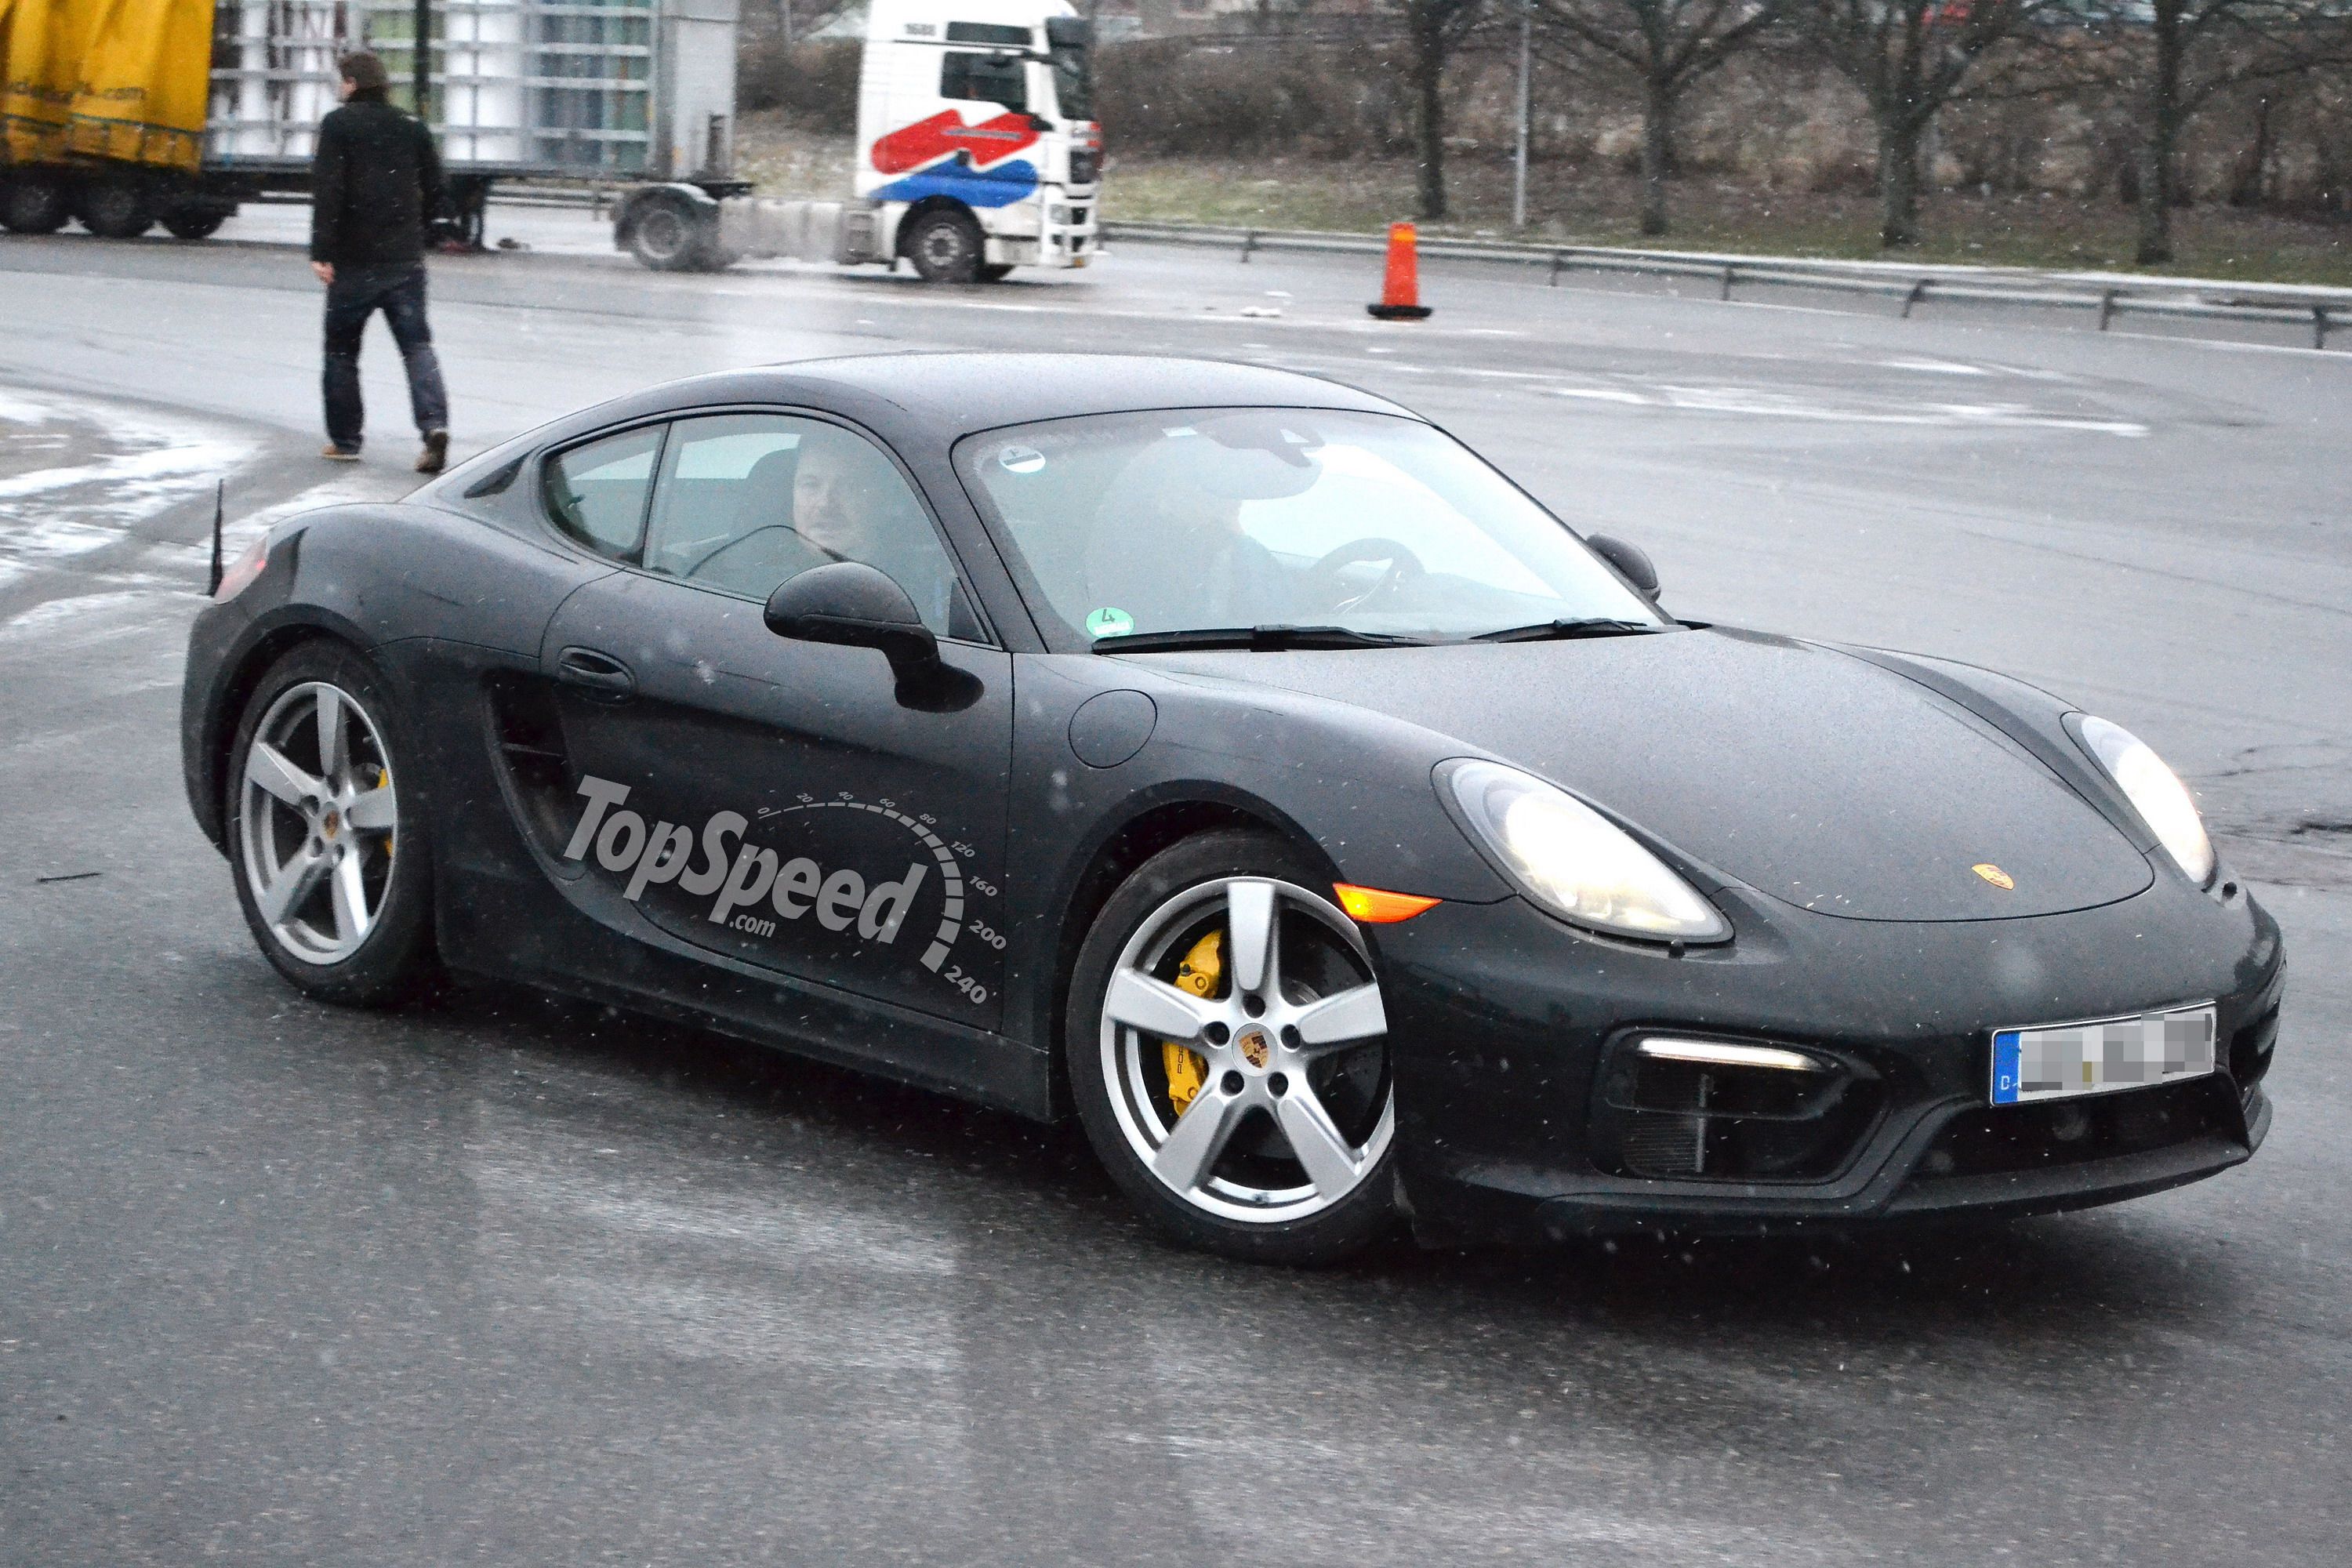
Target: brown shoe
(335, 454)
(435, 456)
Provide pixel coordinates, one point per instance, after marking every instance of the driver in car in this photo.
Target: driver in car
(849, 504)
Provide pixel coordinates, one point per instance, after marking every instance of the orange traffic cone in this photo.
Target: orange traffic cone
(1401, 289)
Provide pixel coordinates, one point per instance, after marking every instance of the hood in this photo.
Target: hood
(1815, 777)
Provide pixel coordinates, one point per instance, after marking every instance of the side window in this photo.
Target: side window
(596, 492)
(749, 500)
(986, 78)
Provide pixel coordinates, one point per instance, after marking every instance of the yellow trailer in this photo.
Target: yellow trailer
(45, 43)
(94, 86)
(139, 95)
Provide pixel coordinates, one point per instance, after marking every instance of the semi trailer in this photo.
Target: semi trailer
(977, 148)
(121, 114)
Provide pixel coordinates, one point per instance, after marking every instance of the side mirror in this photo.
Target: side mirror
(1631, 562)
(851, 604)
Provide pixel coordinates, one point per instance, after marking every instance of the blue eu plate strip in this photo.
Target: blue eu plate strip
(2005, 1066)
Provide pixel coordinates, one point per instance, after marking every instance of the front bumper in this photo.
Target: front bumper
(1068, 234)
(1505, 1025)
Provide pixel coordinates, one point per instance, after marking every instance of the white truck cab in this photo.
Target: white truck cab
(977, 152)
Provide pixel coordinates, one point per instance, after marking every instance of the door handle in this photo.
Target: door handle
(596, 671)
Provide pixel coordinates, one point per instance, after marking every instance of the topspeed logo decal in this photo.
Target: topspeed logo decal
(943, 156)
(737, 876)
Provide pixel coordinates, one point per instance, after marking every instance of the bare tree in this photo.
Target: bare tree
(1909, 58)
(1435, 29)
(1666, 46)
(2175, 56)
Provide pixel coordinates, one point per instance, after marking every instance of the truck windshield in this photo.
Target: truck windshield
(1074, 87)
(1193, 520)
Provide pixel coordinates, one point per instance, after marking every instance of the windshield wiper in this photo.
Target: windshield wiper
(1566, 630)
(1258, 639)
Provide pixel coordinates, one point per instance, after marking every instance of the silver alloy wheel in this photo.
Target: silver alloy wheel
(1265, 1042)
(316, 820)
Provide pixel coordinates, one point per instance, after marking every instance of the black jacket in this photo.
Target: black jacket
(374, 182)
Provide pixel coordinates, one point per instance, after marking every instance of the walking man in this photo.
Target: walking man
(374, 183)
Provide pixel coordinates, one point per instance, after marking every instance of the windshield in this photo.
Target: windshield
(1066, 37)
(1176, 521)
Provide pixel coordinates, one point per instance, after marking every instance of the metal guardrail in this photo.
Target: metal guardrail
(2322, 309)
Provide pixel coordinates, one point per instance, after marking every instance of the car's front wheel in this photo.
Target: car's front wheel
(327, 832)
(1229, 1057)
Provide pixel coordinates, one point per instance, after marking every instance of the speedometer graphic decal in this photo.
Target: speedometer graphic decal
(950, 869)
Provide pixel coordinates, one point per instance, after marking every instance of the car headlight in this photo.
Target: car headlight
(2154, 790)
(1573, 861)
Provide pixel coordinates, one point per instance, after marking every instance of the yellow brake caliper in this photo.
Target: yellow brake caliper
(1199, 973)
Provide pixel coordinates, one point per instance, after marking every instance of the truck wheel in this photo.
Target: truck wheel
(996, 272)
(670, 237)
(194, 223)
(30, 205)
(945, 246)
(116, 209)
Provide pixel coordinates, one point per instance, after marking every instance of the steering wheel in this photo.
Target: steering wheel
(1404, 566)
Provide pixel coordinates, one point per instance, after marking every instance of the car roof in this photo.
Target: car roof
(930, 400)
(980, 391)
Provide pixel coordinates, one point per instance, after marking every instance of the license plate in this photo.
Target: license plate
(2101, 1055)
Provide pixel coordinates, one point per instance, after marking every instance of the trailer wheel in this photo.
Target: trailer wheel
(194, 223)
(670, 237)
(30, 205)
(945, 245)
(995, 271)
(115, 209)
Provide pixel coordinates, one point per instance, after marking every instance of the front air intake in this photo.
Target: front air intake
(1672, 1106)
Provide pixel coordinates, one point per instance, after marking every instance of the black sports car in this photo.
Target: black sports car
(1239, 761)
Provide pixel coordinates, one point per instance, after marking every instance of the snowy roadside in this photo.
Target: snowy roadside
(106, 507)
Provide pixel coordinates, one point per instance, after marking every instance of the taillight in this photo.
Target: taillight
(241, 573)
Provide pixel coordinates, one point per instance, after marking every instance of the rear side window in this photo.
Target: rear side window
(597, 492)
(747, 500)
(985, 79)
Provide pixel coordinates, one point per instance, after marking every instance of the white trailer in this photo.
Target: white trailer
(977, 152)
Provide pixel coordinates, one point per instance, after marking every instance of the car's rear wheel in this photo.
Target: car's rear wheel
(327, 832)
(1228, 1053)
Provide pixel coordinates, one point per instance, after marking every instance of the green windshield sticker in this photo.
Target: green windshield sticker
(1109, 622)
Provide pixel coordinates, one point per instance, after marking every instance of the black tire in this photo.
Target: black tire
(392, 959)
(1109, 1070)
(995, 272)
(116, 209)
(946, 246)
(194, 223)
(30, 205)
(669, 235)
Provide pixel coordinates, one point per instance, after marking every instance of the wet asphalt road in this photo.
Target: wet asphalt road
(516, 1281)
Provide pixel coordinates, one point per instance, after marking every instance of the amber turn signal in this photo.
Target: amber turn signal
(1373, 907)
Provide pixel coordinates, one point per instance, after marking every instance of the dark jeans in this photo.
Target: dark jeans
(357, 293)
